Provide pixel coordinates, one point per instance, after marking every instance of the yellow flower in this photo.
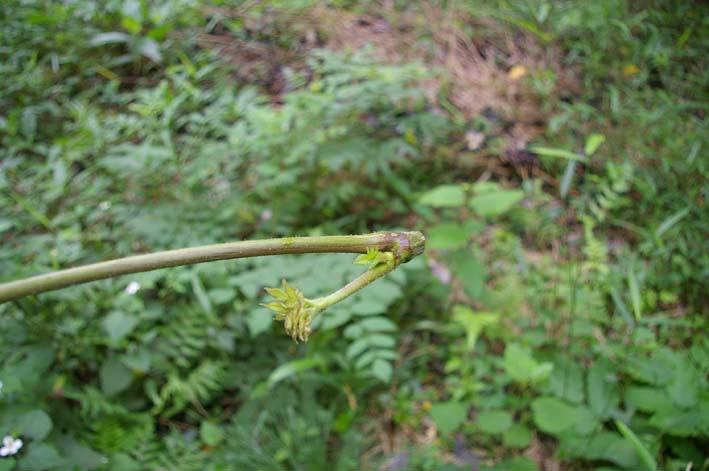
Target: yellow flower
(630, 69)
(517, 72)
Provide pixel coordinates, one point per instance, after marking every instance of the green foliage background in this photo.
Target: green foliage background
(552, 321)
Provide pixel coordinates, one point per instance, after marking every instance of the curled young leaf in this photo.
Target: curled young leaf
(374, 257)
(294, 309)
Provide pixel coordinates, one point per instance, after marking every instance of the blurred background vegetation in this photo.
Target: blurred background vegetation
(554, 152)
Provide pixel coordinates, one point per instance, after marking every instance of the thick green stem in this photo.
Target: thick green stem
(404, 245)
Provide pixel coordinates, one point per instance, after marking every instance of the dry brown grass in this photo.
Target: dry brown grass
(486, 68)
(488, 71)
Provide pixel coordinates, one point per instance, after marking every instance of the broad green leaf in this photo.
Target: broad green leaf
(658, 369)
(699, 353)
(541, 372)
(138, 360)
(518, 463)
(353, 331)
(125, 462)
(293, 368)
(258, 320)
(78, 455)
(35, 424)
(211, 433)
(606, 446)
(6, 224)
(7, 464)
(377, 324)
(647, 399)
(357, 347)
(520, 365)
(517, 436)
(221, 295)
(40, 456)
(447, 235)
(334, 318)
(683, 422)
(117, 325)
(382, 370)
(587, 423)
(114, 376)
(381, 340)
(471, 273)
(566, 381)
(225, 340)
(448, 416)
(473, 322)
(552, 415)
(684, 389)
(603, 393)
(642, 451)
(495, 203)
(366, 305)
(518, 362)
(366, 359)
(494, 421)
(444, 196)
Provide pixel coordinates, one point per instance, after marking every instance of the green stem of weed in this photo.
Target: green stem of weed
(404, 245)
(353, 286)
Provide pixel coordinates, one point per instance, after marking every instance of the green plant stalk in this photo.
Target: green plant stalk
(405, 245)
(353, 286)
(642, 451)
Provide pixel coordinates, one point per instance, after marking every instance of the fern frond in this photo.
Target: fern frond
(198, 386)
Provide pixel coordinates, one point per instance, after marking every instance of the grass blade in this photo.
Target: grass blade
(635, 298)
(668, 223)
(622, 308)
(559, 153)
(567, 179)
(642, 451)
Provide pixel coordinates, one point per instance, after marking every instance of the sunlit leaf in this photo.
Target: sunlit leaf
(557, 153)
(444, 196)
(448, 416)
(593, 142)
(552, 415)
(495, 203)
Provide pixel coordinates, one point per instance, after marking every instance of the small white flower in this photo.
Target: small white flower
(104, 205)
(266, 215)
(132, 287)
(10, 446)
(474, 139)
(441, 272)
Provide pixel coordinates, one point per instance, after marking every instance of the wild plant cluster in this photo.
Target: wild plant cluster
(556, 321)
